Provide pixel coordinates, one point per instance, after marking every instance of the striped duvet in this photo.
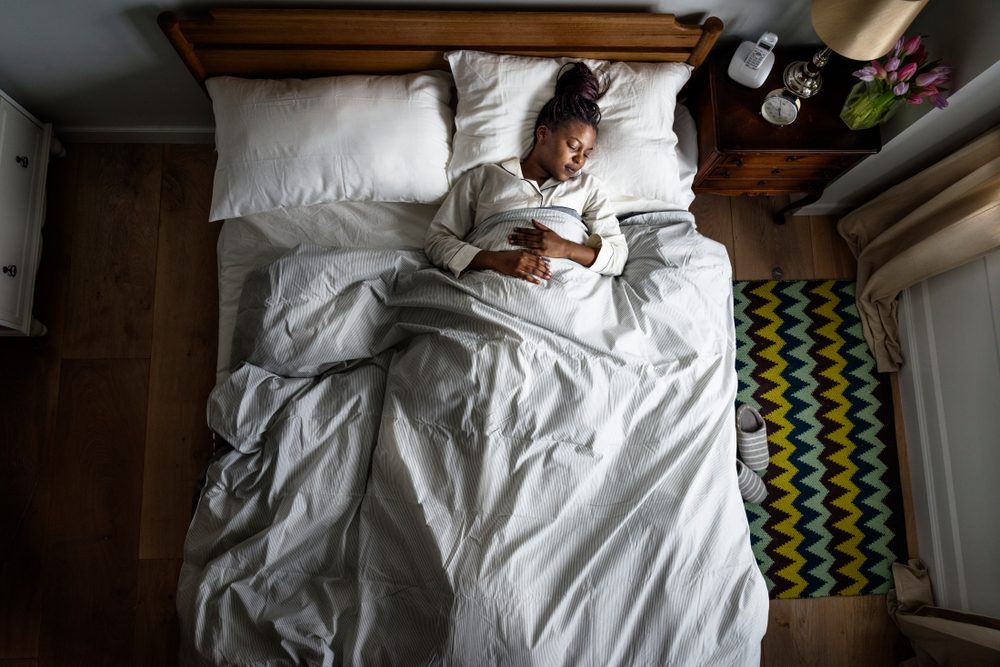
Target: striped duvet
(424, 470)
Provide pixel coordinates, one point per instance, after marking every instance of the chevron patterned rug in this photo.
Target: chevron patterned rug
(832, 522)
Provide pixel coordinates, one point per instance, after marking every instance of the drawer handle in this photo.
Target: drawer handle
(775, 171)
(22, 160)
(793, 158)
(10, 270)
(739, 162)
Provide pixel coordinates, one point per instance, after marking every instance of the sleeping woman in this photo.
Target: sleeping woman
(551, 176)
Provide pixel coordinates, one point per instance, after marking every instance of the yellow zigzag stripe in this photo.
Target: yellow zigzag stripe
(780, 460)
(843, 447)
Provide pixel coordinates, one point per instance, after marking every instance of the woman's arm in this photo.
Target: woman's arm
(604, 251)
(444, 242)
(446, 248)
(605, 235)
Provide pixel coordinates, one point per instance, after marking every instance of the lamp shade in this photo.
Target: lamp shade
(863, 29)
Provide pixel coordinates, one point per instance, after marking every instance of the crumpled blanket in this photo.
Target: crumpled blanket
(430, 470)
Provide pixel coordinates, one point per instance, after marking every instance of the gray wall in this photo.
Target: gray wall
(97, 64)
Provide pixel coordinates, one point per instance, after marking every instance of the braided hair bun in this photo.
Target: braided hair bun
(577, 92)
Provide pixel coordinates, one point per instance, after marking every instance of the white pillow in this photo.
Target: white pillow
(499, 97)
(297, 142)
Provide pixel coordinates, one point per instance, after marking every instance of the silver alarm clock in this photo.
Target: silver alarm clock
(780, 107)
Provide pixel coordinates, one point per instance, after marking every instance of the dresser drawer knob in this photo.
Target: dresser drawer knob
(761, 183)
(793, 158)
(739, 162)
(10, 270)
(22, 160)
(775, 171)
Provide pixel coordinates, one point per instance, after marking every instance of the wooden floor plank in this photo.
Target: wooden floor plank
(156, 623)
(902, 455)
(832, 258)
(830, 632)
(110, 307)
(762, 246)
(23, 414)
(182, 365)
(93, 490)
(713, 215)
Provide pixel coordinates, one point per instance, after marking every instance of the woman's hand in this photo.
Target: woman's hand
(543, 241)
(517, 263)
(540, 240)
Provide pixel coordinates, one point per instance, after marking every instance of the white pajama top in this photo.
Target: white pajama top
(494, 188)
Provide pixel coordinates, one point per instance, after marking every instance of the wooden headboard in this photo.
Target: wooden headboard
(277, 43)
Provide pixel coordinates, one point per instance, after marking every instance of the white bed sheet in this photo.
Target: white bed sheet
(250, 241)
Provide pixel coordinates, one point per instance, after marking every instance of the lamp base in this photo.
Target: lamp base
(802, 77)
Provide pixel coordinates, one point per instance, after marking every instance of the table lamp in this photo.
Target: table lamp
(856, 29)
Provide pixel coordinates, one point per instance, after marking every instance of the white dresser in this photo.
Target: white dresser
(24, 156)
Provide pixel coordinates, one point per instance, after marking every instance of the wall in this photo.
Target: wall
(102, 66)
(950, 390)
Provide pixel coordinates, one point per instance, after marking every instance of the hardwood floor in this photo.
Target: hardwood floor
(103, 418)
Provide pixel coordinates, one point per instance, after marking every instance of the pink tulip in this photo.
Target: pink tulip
(939, 101)
(907, 71)
(935, 76)
(910, 46)
(879, 70)
(892, 65)
(901, 88)
(915, 98)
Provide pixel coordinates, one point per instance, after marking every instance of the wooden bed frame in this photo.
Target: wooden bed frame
(275, 43)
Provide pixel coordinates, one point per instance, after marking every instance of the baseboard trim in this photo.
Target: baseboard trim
(823, 208)
(142, 134)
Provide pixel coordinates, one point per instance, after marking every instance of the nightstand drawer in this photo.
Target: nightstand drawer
(781, 172)
(837, 162)
(737, 186)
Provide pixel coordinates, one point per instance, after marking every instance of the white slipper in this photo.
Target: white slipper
(751, 438)
(751, 486)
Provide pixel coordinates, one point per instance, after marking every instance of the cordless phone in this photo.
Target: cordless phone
(752, 62)
(756, 57)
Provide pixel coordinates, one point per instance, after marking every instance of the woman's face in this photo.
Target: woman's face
(563, 151)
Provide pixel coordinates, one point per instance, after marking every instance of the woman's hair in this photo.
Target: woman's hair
(577, 92)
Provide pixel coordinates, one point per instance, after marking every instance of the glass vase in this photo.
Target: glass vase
(868, 104)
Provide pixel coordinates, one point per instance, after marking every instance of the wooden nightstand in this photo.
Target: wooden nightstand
(740, 153)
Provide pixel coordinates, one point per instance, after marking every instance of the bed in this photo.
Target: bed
(419, 468)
